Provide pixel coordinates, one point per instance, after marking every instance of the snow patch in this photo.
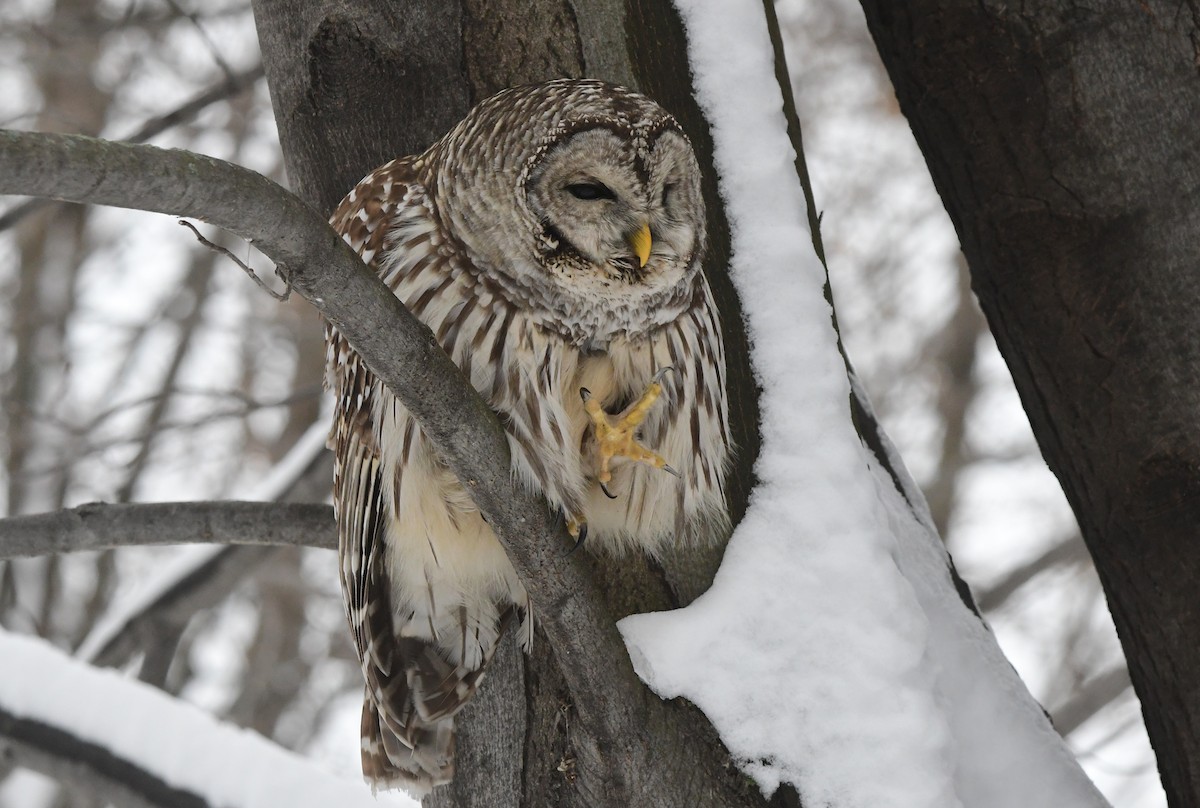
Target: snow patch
(184, 746)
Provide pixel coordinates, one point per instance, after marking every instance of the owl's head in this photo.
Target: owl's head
(585, 193)
(618, 203)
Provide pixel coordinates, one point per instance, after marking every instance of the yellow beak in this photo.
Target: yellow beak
(640, 241)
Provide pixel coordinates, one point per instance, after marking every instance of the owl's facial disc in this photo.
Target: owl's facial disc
(614, 216)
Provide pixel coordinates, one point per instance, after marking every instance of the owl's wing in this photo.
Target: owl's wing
(412, 688)
(358, 499)
(358, 494)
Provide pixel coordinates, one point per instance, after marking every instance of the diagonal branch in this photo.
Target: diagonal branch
(404, 355)
(1090, 698)
(1067, 550)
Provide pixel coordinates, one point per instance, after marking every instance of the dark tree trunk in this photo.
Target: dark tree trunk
(355, 84)
(1065, 143)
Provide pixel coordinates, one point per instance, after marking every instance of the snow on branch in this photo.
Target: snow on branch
(833, 650)
(161, 608)
(404, 355)
(158, 612)
(133, 745)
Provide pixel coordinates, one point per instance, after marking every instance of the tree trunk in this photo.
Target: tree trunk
(355, 84)
(1064, 143)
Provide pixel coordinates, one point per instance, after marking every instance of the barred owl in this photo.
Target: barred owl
(552, 242)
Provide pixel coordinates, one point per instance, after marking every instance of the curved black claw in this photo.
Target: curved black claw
(607, 493)
(669, 470)
(585, 393)
(579, 541)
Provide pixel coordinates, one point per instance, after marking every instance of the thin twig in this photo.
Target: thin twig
(246, 405)
(213, 50)
(282, 298)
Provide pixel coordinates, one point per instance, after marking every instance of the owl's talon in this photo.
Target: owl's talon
(579, 530)
(658, 377)
(616, 435)
(669, 470)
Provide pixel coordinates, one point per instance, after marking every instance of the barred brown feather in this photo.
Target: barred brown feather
(534, 293)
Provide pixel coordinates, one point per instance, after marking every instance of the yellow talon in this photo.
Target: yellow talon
(578, 530)
(615, 436)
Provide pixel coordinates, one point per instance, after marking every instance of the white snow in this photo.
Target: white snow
(832, 651)
(181, 744)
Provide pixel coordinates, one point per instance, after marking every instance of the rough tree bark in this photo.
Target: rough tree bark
(1063, 139)
(357, 84)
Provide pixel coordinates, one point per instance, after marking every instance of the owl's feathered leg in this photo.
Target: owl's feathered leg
(616, 435)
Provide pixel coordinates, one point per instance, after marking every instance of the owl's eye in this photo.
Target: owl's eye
(590, 190)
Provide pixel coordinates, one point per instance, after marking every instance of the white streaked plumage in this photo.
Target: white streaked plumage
(530, 285)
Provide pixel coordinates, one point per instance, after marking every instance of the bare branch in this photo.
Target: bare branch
(100, 526)
(156, 619)
(231, 86)
(953, 350)
(160, 619)
(213, 50)
(404, 355)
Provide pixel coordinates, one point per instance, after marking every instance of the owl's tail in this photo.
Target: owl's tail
(408, 718)
(414, 761)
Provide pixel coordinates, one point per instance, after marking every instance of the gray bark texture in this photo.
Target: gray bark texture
(1064, 139)
(106, 526)
(355, 84)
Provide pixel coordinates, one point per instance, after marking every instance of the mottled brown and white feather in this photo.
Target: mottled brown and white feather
(428, 588)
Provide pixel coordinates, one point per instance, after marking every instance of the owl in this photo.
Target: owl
(552, 242)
